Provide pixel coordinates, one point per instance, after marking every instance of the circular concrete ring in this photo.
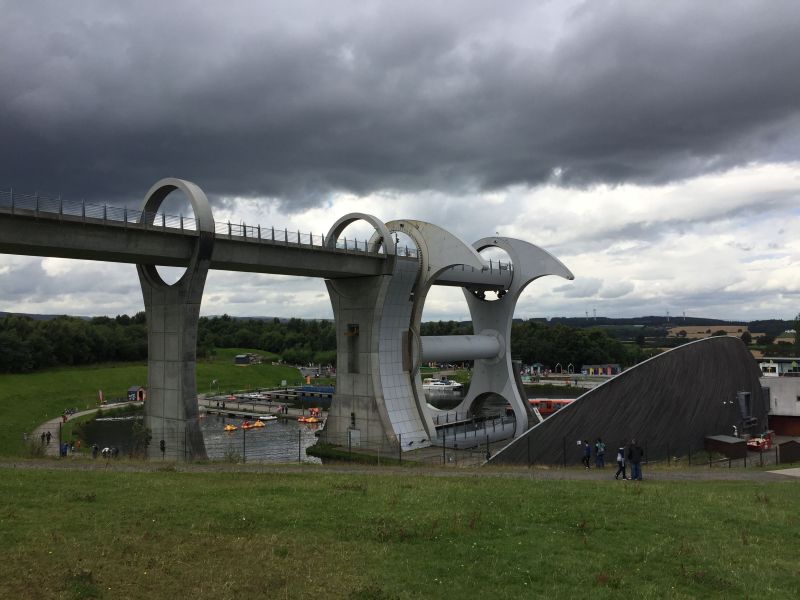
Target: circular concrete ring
(384, 239)
(203, 216)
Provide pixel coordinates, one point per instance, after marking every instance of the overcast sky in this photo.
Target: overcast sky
(654, 147)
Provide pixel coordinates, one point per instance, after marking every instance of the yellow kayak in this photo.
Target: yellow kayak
(230, 428)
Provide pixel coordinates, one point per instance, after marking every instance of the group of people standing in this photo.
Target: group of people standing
(632, 455)
(599, 453)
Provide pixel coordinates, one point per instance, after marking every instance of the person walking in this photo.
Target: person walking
(620, 462)
(600, 454)
(587, 453)
(48, 436)
(635, 454)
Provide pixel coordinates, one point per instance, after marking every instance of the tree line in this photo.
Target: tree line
(28, 344)
(533, 342)
(537, 341)
(296, 341)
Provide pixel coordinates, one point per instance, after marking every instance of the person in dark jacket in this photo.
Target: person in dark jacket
(600, 454)
(587, 453)
(620, 462)
(635, 454)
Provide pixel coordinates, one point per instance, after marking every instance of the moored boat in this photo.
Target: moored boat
(440, 385)
(314, 416)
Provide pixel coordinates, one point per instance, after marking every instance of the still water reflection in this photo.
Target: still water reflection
(278, 442)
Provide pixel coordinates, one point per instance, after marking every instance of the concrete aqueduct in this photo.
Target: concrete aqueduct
(377, 293)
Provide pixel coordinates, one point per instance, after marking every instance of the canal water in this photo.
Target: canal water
(280, 441)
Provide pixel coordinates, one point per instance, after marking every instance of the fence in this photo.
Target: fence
(662, 455)
(287, 441)
(472, 432)
(352, 446)
(42, 205)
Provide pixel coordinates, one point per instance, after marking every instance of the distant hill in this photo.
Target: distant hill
(768, 326)
(279, 319)
(657, 321)
(40, 317)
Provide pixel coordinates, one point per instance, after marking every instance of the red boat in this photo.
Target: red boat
(548, 406)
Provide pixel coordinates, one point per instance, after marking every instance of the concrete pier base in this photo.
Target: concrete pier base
(172, 314)
(379, 398)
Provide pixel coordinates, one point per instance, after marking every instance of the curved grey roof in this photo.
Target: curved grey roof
(672, 400)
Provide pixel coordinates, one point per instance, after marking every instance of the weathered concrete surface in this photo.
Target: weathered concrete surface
(173, 312)
(374, 403)
(114, 241)
(377, 293)
(66, 236)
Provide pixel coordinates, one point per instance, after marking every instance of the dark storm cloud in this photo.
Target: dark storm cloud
(295, 100)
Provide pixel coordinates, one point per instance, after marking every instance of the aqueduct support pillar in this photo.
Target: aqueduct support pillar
(373, 404)
(379, 397)
(172, 313)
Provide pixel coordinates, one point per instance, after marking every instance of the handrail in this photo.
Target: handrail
(106, 214)
(470, 427)
(40, 205)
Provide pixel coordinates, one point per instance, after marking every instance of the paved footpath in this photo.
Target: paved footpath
(54, 427)
(83, 462)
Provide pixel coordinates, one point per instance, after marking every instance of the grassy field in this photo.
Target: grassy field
(30, 399)
(106, 534)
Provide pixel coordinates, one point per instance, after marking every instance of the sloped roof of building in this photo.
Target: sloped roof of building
(673, 400)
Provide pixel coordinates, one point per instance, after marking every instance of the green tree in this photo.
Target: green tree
(797, 331)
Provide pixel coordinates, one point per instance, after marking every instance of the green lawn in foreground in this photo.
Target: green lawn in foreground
(81, 534)
(28, 400)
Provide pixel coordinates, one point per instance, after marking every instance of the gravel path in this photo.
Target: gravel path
(54, 426)
(685, 474)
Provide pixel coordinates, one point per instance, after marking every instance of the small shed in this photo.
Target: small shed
(789, 451)
(137, 393)
(727, 445)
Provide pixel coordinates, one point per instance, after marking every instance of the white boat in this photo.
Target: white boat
(440, 385)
